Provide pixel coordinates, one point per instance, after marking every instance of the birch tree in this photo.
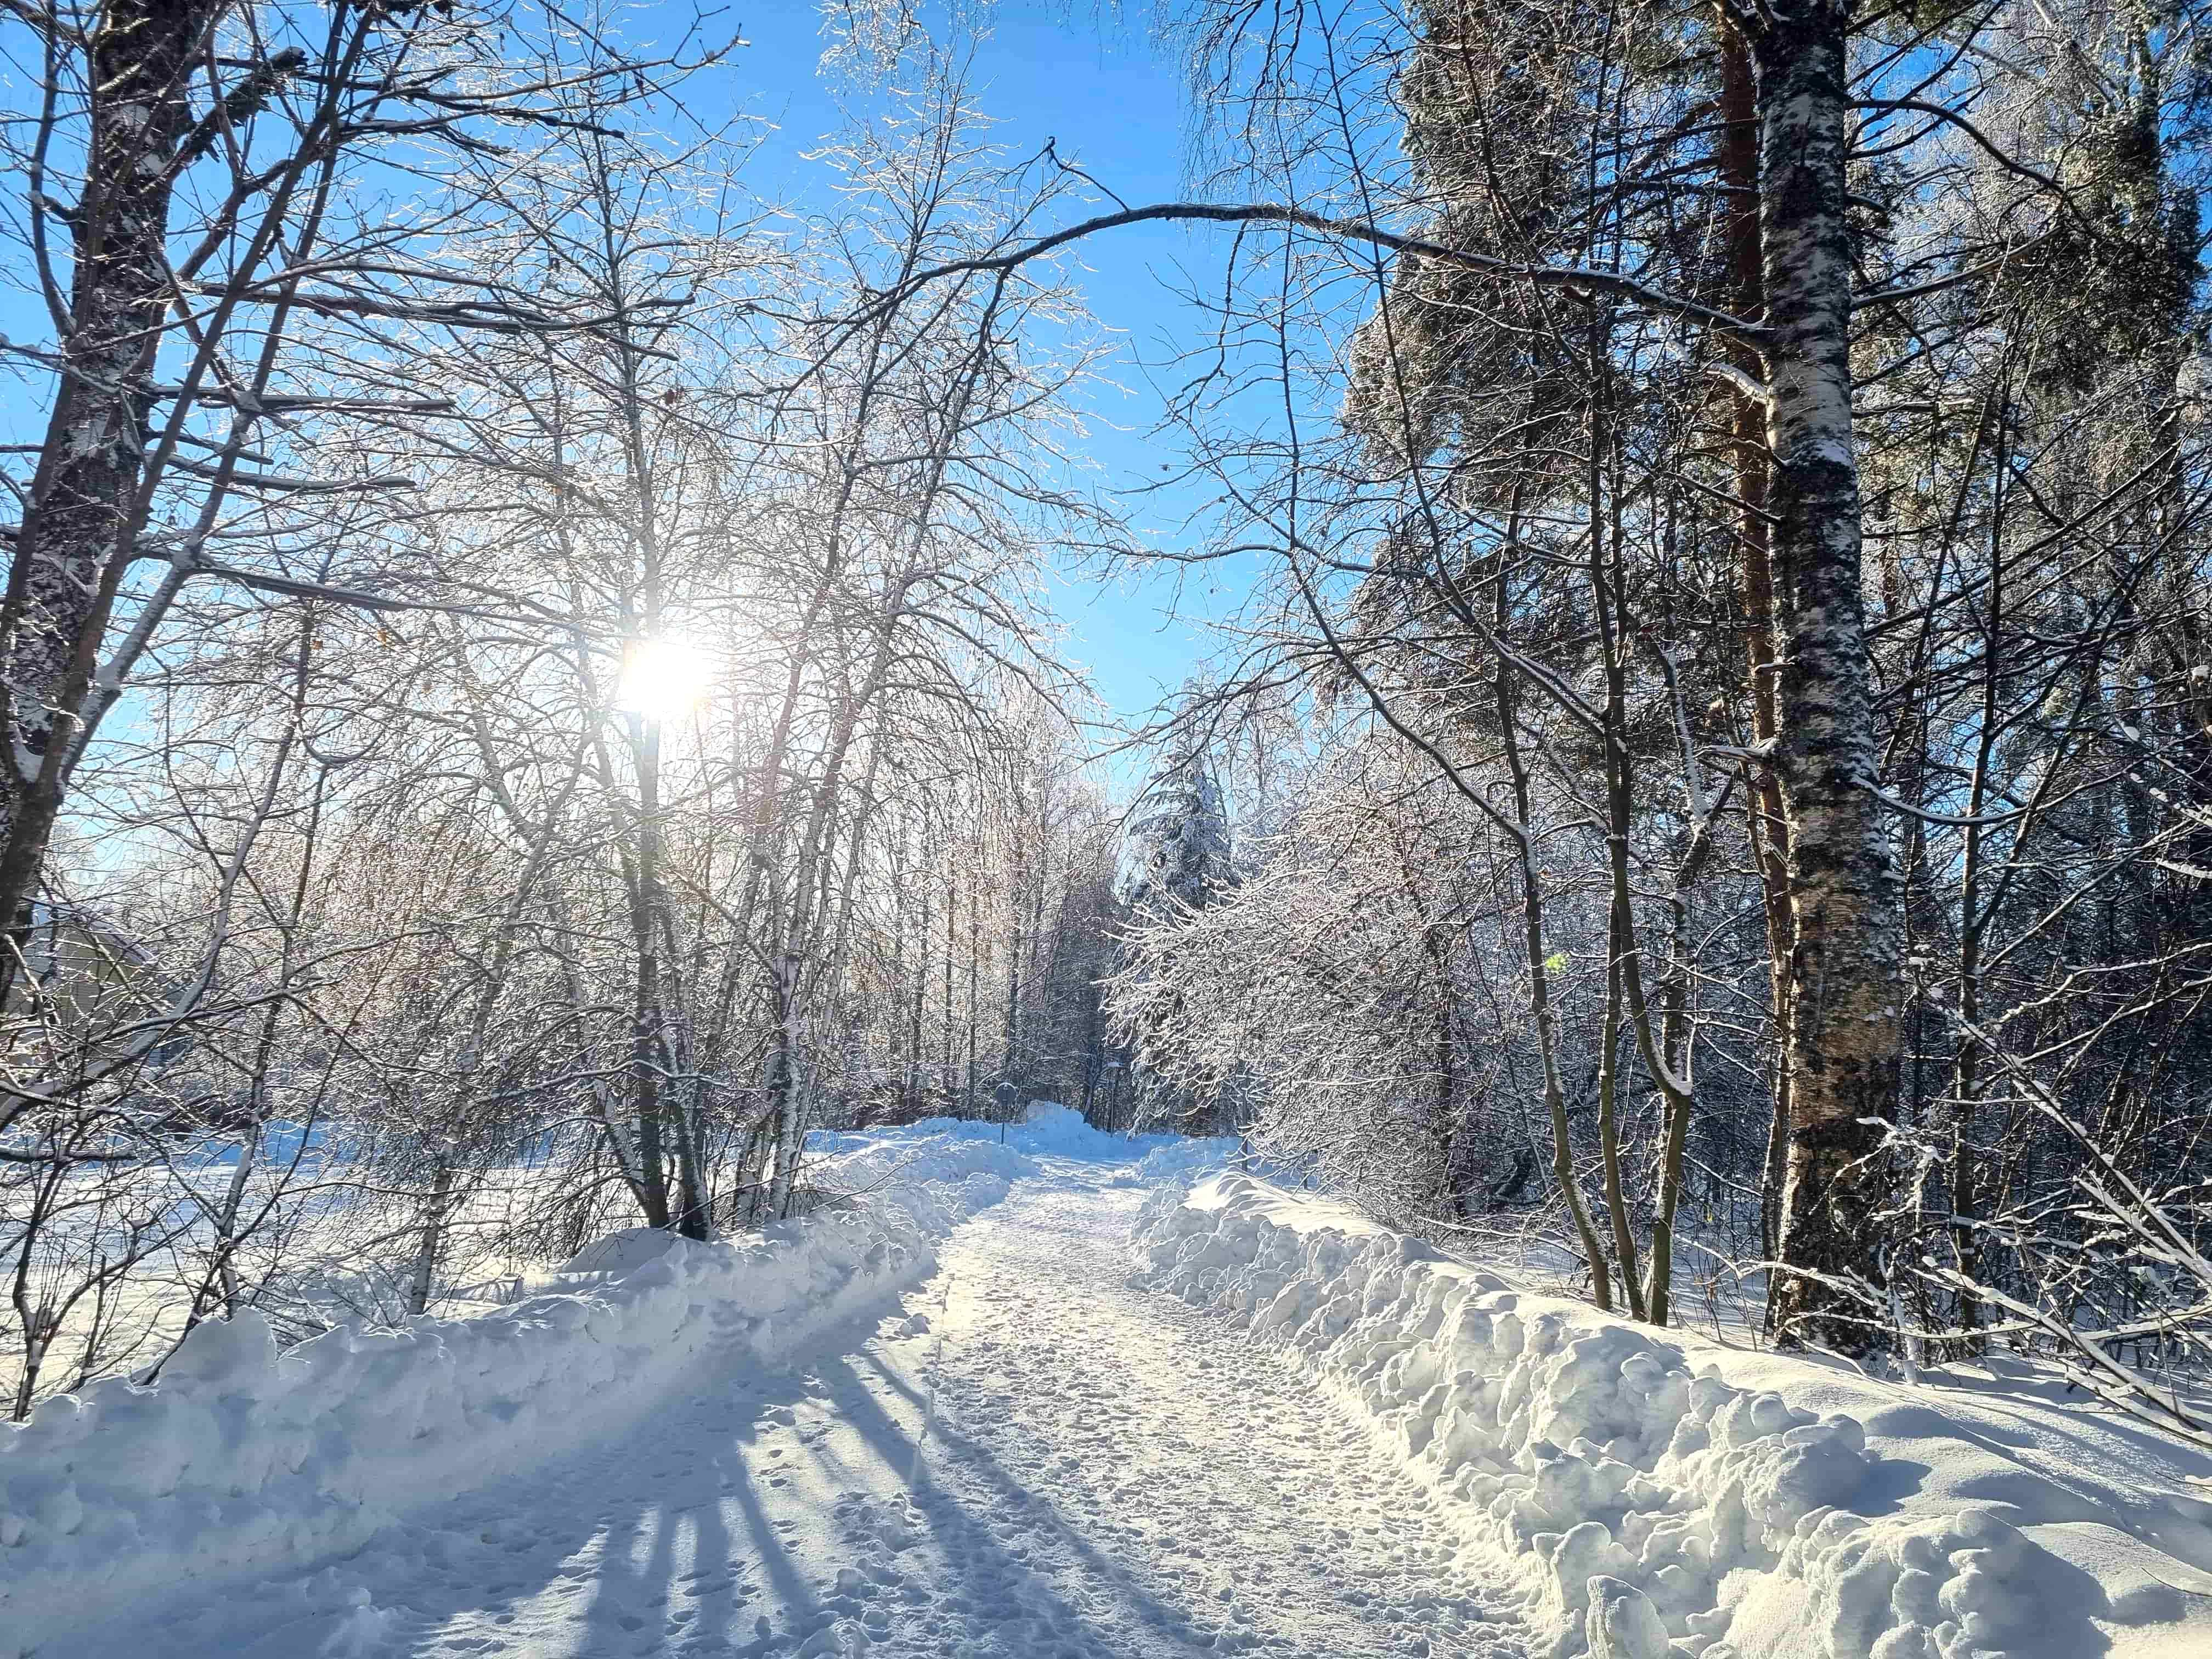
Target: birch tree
(1304, 112)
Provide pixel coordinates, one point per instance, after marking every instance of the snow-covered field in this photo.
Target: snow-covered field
(965, 1416)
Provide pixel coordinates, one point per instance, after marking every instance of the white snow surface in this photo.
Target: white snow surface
(947, 1419)
(1658, 1495)
(241, 1461)
(1029, 1459)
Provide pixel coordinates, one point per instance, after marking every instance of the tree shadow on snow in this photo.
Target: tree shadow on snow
(642, 1548)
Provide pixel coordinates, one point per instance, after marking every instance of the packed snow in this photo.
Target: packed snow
(241, 1461)
(1036, 1390)
(1658, 1494)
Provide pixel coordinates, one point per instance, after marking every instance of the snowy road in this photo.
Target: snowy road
(1104, 1474)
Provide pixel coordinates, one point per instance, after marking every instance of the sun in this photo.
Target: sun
(662, 679)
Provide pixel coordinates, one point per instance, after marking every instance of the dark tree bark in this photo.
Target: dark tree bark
(85, 504)
(1841, 1041)
(1766, 816)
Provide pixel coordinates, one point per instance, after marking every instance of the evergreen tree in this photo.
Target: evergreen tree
(1176, 849)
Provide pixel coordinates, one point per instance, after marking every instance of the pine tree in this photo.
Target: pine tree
(1176, 849)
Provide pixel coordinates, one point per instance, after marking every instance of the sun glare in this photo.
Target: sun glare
(661, 678)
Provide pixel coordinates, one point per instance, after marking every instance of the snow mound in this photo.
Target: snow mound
(862, 1165)
(1180, 1163)
(1668, 1496)
(620, 1252)
(242, 1459)
(1049, 1131)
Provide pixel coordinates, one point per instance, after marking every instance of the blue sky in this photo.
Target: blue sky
(1114, 103)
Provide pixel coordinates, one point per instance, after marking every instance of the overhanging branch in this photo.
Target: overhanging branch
(1574, 278)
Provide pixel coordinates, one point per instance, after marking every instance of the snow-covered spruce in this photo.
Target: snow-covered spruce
(241, 1460)
(1665, 1496)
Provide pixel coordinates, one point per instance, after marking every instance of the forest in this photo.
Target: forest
(534, 675)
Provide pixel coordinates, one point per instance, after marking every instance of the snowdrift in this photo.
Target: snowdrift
(864, 1157)
(243, 1460)
(1666, 1496)
(1047, 1129)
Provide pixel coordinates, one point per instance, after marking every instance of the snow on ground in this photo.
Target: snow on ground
(887, 1430)
(241, 1460)
(1028, 1457)
(1659, 1494)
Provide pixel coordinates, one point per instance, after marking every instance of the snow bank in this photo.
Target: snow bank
(242, 1459)
(621, 1252)
(863, 1164)
(1048, 1130)
(1179, 1163)
(1666, 1496)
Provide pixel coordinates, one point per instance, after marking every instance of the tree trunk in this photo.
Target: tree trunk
(913, 1062)
(1542, 1013)
(433, 1239)
(647, 1046)
(1677, 1051)
(84, 508)
(694, 1210)
(789, 1126)
(1843, 1019)
(1011, 1068)
(951, 911)
(1764, 815)
(975, 948)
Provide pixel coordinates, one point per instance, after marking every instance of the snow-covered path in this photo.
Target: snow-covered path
(1103, 1474)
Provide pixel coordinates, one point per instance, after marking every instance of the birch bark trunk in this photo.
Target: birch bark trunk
(1841, 1042)
(433, 1242)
